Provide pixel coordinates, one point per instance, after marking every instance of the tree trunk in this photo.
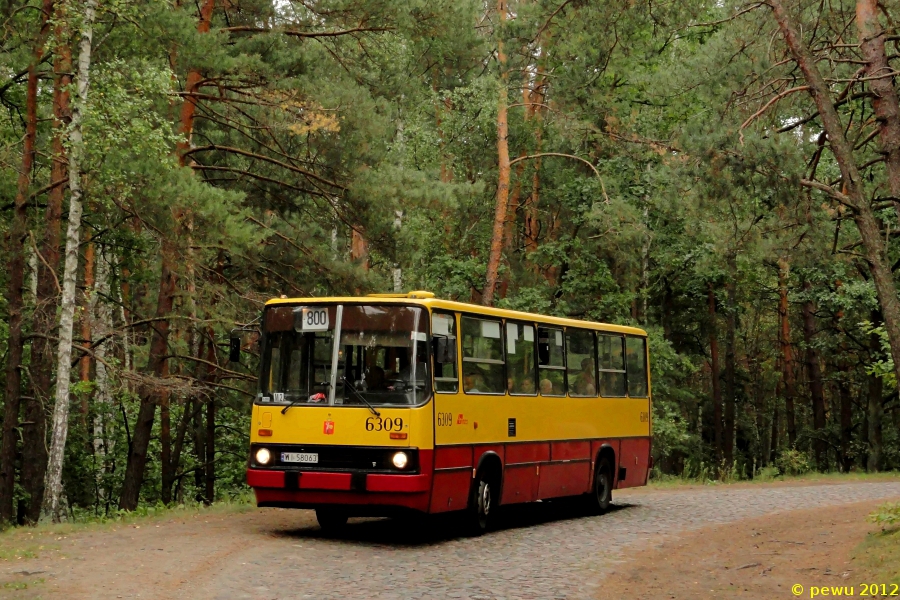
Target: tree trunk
(157, 366)
(532, 218)
(157, 362)
(70, 273)
(787, 355)
(875, 406)
(885, 102)
(90, 293)
(644, 284)
(773, 444)
(863, 215)
(816, 387)
(15, 265)
(199, 431)
(359, 248)
(210, 450)
(846, 422)
(503, 168)
(714, 376)
(875, 414)
(34, 434)
(211, 422)
(165, 456)
(102, 314)
(178, 446)
(730, 377)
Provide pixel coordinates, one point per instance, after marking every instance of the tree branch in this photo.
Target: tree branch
(772, 101)
(585, 161)
(273, 161)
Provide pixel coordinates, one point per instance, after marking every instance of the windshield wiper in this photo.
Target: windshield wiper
(360, 396)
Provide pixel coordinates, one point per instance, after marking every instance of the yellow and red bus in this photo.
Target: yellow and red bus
(404, 402)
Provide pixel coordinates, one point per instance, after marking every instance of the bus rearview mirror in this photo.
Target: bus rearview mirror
(445, 350)
(234, 349)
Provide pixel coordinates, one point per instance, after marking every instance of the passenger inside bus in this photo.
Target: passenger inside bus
(474, 383)
(546, 387)
(583, 384)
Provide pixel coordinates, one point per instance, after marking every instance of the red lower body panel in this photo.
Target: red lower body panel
(634, 457)
(312, 498)
(531, 471)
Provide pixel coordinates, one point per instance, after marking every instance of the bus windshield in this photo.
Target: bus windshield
(382, 357)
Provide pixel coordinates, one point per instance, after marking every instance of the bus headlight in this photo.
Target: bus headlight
(263, 456)
(400, 460)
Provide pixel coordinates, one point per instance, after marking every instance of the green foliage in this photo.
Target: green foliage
(321, 165)
(793, 462)
(886, 514)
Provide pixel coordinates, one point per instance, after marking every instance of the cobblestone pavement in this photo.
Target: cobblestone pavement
(540, 551)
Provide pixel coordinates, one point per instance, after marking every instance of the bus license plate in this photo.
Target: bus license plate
(299, 457)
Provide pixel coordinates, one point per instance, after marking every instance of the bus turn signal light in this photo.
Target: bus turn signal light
(399, 436)
(265, 433)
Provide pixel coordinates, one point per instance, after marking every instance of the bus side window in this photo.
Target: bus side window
(581, 361)
(443, 346)
(520, 354)
(636, 358)
(551, 362)
(612, 366)
(483, 364)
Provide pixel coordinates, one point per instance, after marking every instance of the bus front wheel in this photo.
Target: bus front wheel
(600, 495)
(331, 519)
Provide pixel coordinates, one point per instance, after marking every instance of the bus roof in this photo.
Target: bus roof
(427, 299)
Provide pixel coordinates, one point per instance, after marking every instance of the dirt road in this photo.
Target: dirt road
(540, 551)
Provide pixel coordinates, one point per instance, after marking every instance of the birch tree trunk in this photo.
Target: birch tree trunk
(102, 316)
(34, 429)
(503, 167)
(67, 304)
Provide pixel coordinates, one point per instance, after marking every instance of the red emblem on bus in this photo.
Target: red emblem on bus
(328, 427)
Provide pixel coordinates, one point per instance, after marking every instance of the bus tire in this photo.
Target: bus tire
(331, 519)
(600, 496)
(482, 503)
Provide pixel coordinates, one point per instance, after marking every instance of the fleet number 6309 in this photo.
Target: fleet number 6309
(386, 424)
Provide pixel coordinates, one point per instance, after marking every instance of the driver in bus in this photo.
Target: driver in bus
(375, 378)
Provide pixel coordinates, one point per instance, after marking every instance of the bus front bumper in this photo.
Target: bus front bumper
(361, 494)
(350, 482)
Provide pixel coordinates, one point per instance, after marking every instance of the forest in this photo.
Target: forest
(725, 175)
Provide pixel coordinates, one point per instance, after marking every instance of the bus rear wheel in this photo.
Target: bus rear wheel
(600, 496)
(331, 519)
(482, 504)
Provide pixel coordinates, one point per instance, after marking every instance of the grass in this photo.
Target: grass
(21, 585)
(878, 556)
(18, 543)
(670, 481)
